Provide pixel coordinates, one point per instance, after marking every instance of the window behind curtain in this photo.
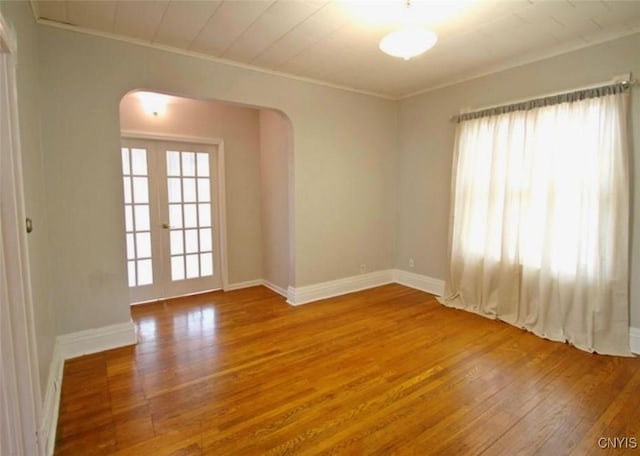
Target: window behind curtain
(540, 186)
(541, 218)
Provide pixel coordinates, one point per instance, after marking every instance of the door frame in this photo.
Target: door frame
(21, 427)
(222, 198)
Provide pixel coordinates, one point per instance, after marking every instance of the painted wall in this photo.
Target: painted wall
(19, 15)
(343, 165)
(426, 139)
(240, 129)
(276, 159)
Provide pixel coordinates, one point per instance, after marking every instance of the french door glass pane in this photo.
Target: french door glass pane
(131, 247)
(188, 164)
(173, 163)
(142, 217)
(191, 241)
(205, 240)
(127, 189)
(190, 216)
(143, 241)
(177, 267)
(140, 190)
(192, 266)
(203, 164)
(175, 193)
(204, 213)
(145, 274)
(189, 190)
(177, 246)
(206, 264)
(128, 218)
(139, 162)
(204, 193)
(126, 168)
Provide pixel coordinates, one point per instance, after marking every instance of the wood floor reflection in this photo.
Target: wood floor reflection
(383, 371)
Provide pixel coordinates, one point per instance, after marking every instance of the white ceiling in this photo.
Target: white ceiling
(337, 41)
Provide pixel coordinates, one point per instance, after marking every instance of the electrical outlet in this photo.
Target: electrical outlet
(363, 268)
(411, 263)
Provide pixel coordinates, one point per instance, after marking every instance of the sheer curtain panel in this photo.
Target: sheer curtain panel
(540, 218)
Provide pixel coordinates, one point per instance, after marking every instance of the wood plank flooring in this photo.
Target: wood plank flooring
(383, 371)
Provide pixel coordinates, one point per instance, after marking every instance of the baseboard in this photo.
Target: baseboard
(96, 340)
(274, 287)
(419, 282)
(51, 405)
(241, 285)
(69, 346)
(310, 293)
(634, 340)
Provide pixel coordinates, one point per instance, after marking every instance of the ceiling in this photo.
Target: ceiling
(336, 42)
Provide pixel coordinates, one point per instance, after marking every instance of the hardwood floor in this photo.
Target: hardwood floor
(383, 371)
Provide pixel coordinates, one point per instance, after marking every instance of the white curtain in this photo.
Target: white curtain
(540, 221)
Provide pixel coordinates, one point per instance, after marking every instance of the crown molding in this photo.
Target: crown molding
(532, 58)
(210, 58)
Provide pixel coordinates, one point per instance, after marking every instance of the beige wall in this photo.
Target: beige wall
(343, 165)
(367, 173)
(19, 15)
(276, 161)
(426, 137)
(239, 128)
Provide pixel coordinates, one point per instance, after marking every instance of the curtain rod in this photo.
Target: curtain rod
(627, 82)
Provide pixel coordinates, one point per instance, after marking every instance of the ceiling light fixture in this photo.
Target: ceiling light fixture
(409, 41)
(154, 104)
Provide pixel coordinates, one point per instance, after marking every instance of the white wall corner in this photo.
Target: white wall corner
(291, 295)
(310, 293)
(51, 405)
(241, 285)
(634, 340)
(419, 282)
(273, 287)
(96, 340)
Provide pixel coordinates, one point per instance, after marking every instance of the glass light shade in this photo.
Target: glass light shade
(408, 42)
(153, 103)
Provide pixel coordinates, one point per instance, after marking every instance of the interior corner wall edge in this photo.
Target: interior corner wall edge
(275, 152)
(426, 138)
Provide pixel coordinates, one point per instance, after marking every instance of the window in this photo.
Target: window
(541, 218)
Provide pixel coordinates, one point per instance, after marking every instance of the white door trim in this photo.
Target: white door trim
(134, 134)
(20, 398)
(222, 199)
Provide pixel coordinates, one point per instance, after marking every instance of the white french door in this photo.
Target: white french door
(171, 218)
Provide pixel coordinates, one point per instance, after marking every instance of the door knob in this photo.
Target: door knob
(165, 226)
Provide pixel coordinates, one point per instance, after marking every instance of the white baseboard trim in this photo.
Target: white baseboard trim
(310, 293)
(241, 285)
(96, 340)
(274, 287)
(634, 340)
(419, 282)
(255, 283)
(69, 346)
(51, 405)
